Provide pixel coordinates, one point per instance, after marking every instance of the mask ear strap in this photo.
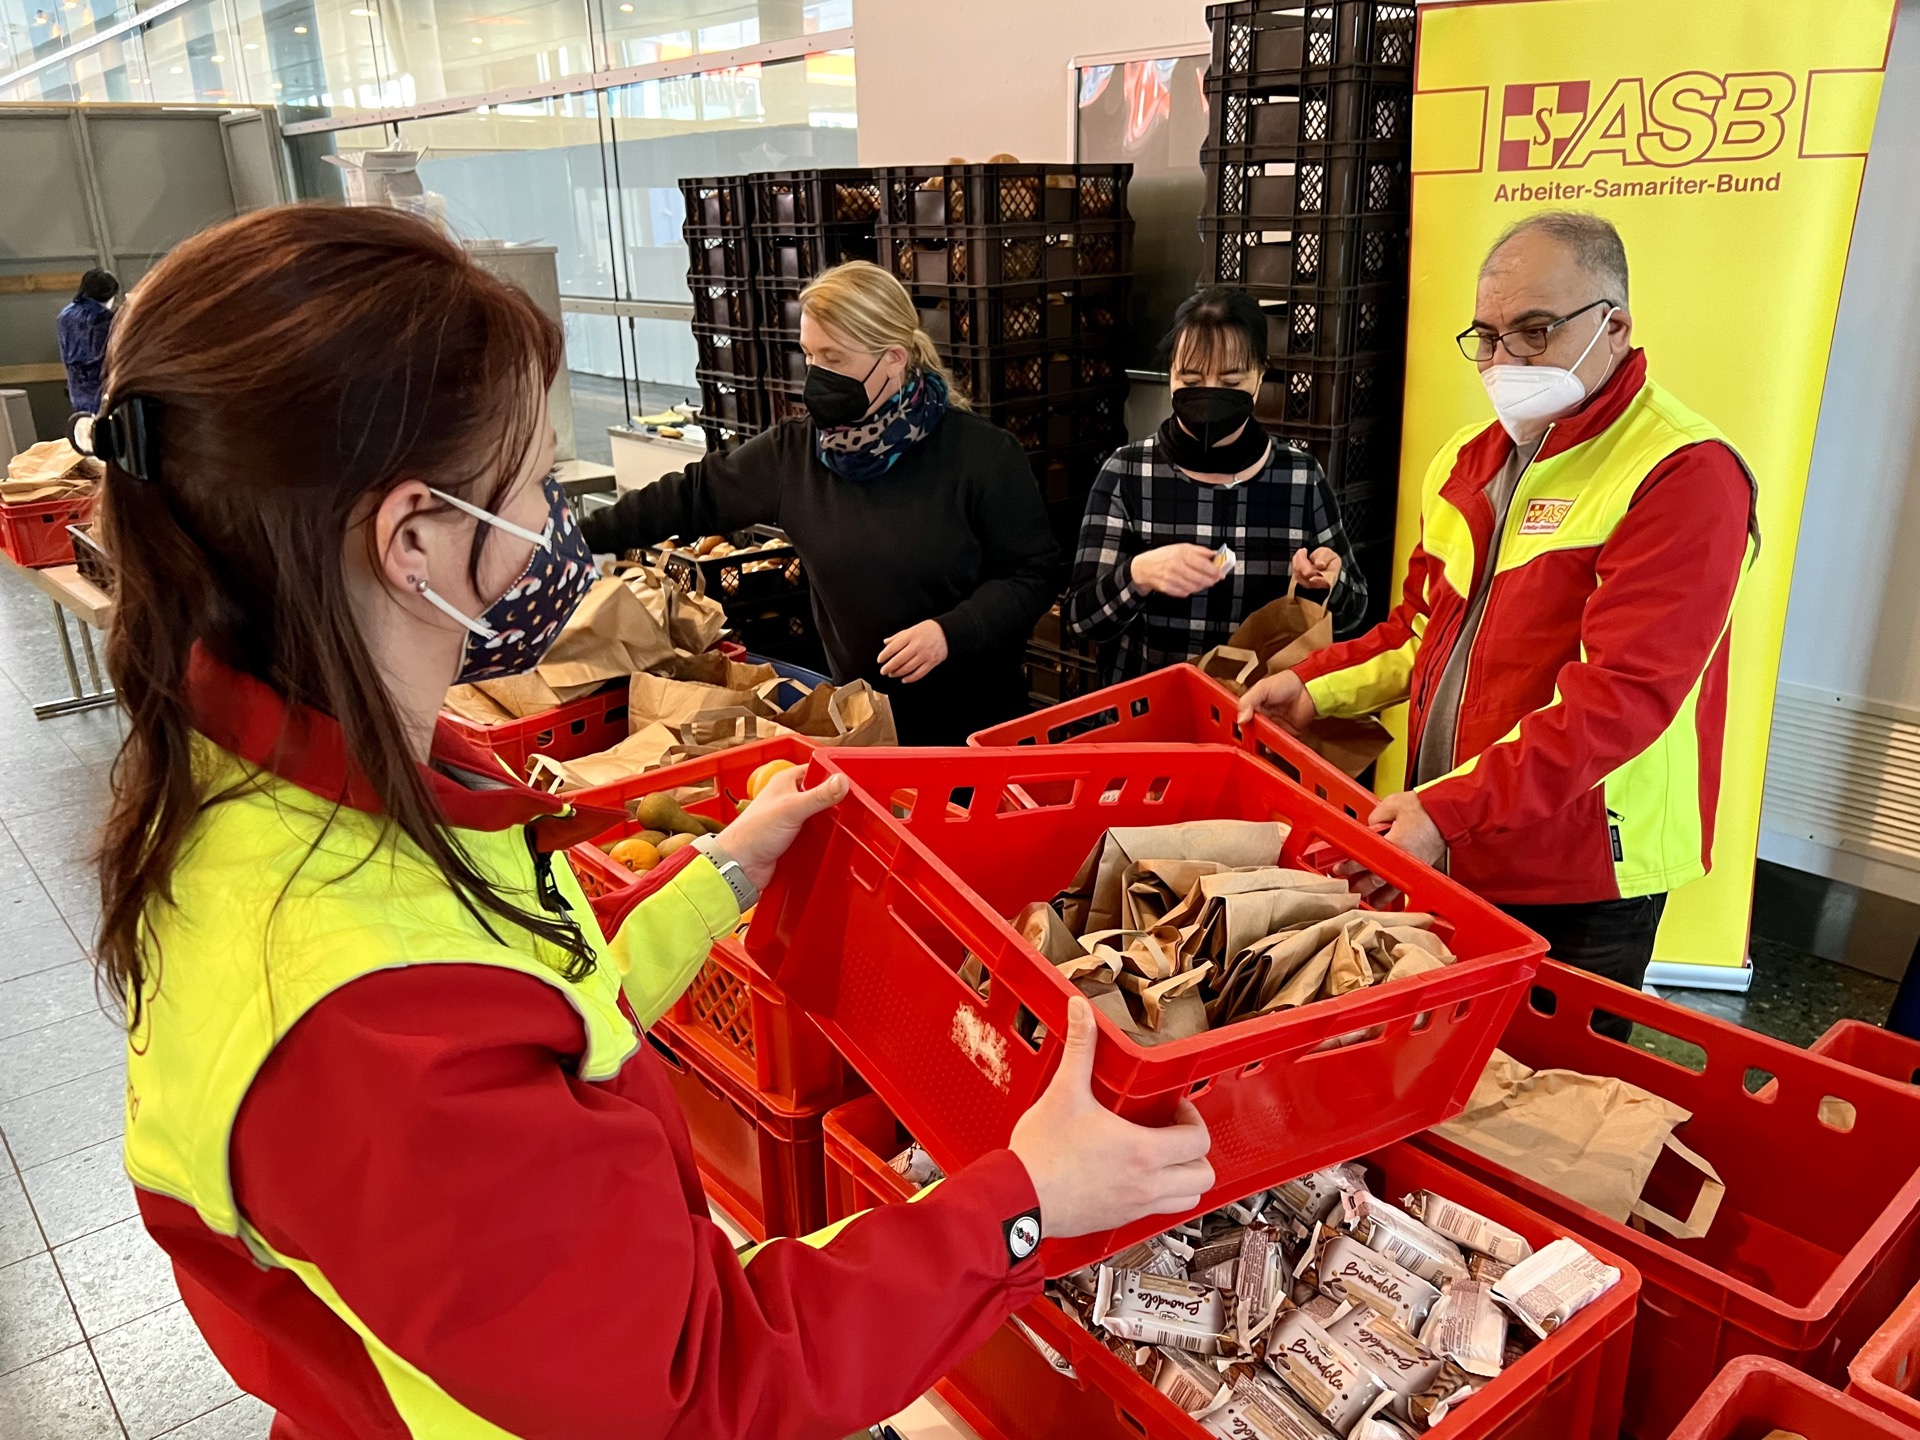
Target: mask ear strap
(1605, 320)
(446, 607)
(543, 539)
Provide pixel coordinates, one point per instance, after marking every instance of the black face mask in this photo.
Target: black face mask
(833, 399)
(1203, 416)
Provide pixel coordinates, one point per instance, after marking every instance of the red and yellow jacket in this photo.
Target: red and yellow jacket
(414, 1182)
(1588, 742)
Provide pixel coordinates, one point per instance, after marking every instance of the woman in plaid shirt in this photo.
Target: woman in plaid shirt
(1152, 582)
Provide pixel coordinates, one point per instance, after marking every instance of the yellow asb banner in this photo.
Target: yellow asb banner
(1727, 142)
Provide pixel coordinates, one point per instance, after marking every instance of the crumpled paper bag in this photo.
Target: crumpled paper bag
(1092, 902)
(1284, 632)
(640, 752)
(611, 636)
(840, 715)
(49, 470)
(1592, 1138)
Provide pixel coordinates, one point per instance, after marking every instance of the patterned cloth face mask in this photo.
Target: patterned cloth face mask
(519, 628)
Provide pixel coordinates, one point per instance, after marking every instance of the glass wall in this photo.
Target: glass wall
(594, 174)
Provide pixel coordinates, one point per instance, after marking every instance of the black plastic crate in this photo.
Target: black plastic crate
(724, 305)
(723, 436)
(1330, 322)
(1007, 253)
(1242, 183)
(769, 572)
(1361, 459)
(1275, 37)
(1093, 308)
(799, 257)
(941, 196)
(1307, 391)
(779, 308)
(784, 200)
(725, 353)
(991, 374)
(783, 629)
(784, 399)
(1343, 106)
(732, 401)
(784, 362)
(1056, 674)
(1066, 476)
(716, 201)
(718, 254)
(90, 558)
(1325, 251)
(1060, 422)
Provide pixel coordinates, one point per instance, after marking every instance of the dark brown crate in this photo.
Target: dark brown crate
(1088, 309)
(941, 196)
(1059, 422)
(1325, 251)
(1346, 107)
(1330, 322)
(715, 201)
(769, 573)
(1006, 254)
(784, 201)
(1278, 37)
(1242, 183)
(730, 401)
(796, 259)
(722, 352)
(719, 254)
(724, 305)
(991, 373)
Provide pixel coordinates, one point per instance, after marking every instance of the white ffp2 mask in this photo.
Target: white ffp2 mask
(1525, 395)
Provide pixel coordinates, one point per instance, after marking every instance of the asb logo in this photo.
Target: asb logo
(1538, 122)
(1687, 118)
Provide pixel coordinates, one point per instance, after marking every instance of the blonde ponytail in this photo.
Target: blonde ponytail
(872, 310)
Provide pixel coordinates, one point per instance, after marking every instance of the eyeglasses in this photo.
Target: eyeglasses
(1478, 345)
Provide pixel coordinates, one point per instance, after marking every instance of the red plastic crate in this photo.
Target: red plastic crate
(1818, 1237)
(1755, 1396)
(35, 534)
(871, 916)
(1886, 1372)
(1568, 1388)
(762, 1162)
(580, 727)
(1872, 1049)
(1179, 706)
(731, 1011)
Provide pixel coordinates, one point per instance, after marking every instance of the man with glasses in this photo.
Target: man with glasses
(1562, 638)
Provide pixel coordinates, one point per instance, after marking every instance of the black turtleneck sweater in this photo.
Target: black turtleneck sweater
(955, 532)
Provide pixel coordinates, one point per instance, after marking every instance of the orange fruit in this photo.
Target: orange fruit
(636, 854)
(760, 778)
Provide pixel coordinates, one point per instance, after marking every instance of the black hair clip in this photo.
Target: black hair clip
(126, 435)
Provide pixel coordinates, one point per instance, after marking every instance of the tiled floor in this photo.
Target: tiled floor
(94, 1341)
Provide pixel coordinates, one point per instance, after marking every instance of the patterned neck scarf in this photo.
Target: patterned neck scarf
(868, 450)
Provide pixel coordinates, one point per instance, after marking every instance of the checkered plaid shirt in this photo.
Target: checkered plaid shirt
(1140, 502)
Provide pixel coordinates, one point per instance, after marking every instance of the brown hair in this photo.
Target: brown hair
(302, 361)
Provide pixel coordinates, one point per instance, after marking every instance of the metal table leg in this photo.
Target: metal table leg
(89, 699)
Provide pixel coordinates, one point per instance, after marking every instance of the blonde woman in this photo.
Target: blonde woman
(925, 540)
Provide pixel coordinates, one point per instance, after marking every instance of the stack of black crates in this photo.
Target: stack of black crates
(1021, 276)
(1306, 165)
(726, 309)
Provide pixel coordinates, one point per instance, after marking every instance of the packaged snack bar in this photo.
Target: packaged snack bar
(1391, 1232)
(1157, 1310)
(1053, 1357)
(1485, 1268)
(1312, 1198)
(1334, 1387)
(1188, 1381)
(1262, 1281)
(1341, 1266)
(1550, 1288)
(1399, 1361)
(1251, 1414)
(1468, 1328)
(1432, 1405)
(916, 1167)
(1468, 1228)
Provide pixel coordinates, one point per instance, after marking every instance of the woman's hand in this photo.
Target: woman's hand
(1176, 570)
(1318, 570)
(768, 826)
(913, 653)
(1282, 698)
(1092, 1170)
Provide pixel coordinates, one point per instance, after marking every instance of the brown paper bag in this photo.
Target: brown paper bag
(1041, 926)
(721, 729)
(842, 715)
(640, 752)
(710, 667)
(1284, 632)
(611, 636)
(1092, 902)
(1153, 891)
(524, 696)
(471, 704)
(1233, 667)
(693, 619)
(49, 470)
(653, 698)
(1592, 1138)
(1348, 743)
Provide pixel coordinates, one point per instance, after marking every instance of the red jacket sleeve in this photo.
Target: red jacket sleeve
(1373, 671)
(1667, 577)
(537, 1244)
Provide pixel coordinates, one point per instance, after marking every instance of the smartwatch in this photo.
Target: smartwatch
(745, 893)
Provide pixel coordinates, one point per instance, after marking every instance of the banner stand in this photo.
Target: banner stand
(1678, 975)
